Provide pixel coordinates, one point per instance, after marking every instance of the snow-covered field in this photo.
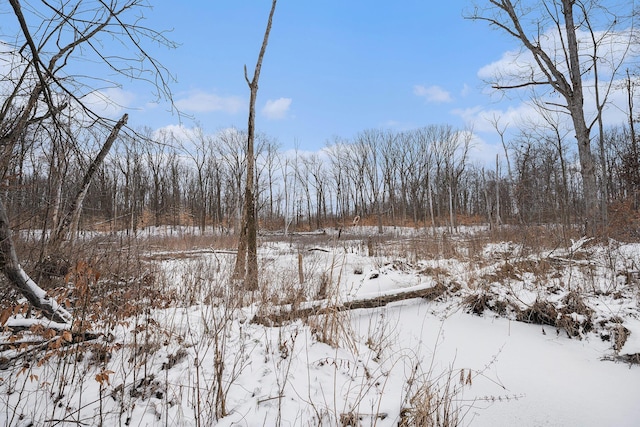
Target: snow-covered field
(463, 356)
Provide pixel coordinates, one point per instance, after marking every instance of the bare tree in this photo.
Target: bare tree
(271, 162)
(289, 193)
(49, 40)
(199, 153)
(553, 33)
(416, 155)
(69, 223)
(390, 154)
(247, 261)
(158, 157)
(311, 179)
(231, 145)
(454, 145)
(132, 166)
(371, 142)
(632, 157)
(501, 131)
(338, 154)
(302, 169)
(556, 135)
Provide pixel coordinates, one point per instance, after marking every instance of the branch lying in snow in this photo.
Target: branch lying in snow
(284, 314)
(20, 280)
(171, 255)
(568, 261)
(23, 324)
(575, 248)
(44, 302)
(11, 350)
(578, 244)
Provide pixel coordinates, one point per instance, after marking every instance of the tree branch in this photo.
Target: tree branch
(282, 314)
(518, 86)
(20, 280)
(69, 221)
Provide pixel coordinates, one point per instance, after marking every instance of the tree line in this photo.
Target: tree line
(421, 177)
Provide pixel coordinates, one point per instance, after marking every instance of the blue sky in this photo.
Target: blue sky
(332, 68)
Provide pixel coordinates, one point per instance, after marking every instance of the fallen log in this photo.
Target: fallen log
(284, 314)
(20, 280)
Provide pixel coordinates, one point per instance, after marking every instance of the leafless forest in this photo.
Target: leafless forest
(419, 178)
(90, 207)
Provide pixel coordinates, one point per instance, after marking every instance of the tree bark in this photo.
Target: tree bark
(70, 221)
(247, 261)
(19, 278)
(575, 103)
(282, 315)
(567, 83)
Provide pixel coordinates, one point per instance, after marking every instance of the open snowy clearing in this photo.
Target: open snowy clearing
(203, 360)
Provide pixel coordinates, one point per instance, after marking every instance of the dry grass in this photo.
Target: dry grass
(440, 244)
(624, 221)
(571, 314)
(435, 400)
(112, 283)
(332, 326)
(483, 300)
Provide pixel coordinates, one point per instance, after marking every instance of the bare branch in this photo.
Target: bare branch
(518, 86)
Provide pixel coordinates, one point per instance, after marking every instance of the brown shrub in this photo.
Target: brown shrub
(624, 221)
(572, 314)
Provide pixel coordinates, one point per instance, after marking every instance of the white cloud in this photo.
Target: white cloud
(276, 109)
(526, 113)
(465, 91)
(432, 93)
(176, 132)
(109, 102)
(483, 153)
(481, 119)
(513, 63)
(518, 66)
(203, 102)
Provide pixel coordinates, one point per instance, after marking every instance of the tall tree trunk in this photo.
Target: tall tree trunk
(604, 182)
(634, 145)
(431, 213)
(498, 217)
(70, 222)
(567, 83)
(588, 169)
(486, 199)
(452, 214)
(247, 259)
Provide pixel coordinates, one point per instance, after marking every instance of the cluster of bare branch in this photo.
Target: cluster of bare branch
(45, 91)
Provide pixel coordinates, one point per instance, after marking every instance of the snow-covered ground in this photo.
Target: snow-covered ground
(203, 361)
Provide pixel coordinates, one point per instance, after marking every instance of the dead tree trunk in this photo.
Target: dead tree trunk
(314, 308)
(247, 261)
(20, 280)
(563, 74)
(70, 222)
(635, 164)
